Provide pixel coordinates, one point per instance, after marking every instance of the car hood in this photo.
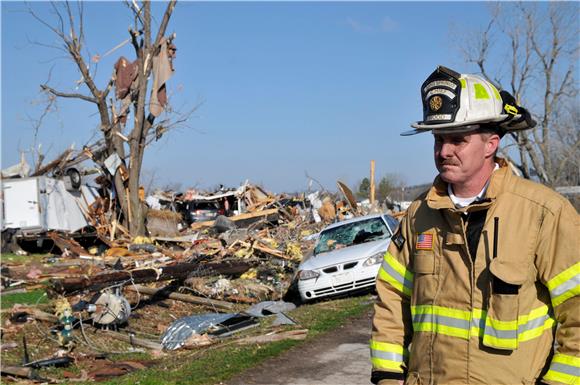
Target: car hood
(347, 254)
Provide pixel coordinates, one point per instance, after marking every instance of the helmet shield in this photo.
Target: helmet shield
(441, 94)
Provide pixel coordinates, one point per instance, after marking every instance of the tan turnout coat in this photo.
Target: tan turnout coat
(437, 318)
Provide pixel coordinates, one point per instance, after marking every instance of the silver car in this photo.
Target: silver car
(347, 256)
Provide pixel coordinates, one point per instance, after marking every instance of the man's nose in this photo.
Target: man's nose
(446, 150)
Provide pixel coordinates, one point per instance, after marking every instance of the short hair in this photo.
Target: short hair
(488, 131)
(492, 129)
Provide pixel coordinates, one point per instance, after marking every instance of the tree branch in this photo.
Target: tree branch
(165, 21)
(46, 88)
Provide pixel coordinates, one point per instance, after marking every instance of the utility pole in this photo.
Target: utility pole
(372, 197)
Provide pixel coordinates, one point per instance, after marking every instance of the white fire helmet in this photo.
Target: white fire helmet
(454, 103)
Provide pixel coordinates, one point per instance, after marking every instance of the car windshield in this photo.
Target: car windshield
(350, 234)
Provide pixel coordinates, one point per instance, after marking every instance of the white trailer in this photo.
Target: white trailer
(39, 204)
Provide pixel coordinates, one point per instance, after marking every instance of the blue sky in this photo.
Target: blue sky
(282, 89)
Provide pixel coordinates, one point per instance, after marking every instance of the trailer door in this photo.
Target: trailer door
(21, 203)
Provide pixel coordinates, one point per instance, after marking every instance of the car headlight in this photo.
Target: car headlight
(308, 274)
(374, 259)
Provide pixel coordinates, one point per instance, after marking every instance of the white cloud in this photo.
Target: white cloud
(386, 24)
(358, 26)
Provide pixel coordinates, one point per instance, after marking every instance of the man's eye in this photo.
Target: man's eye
(457, 140)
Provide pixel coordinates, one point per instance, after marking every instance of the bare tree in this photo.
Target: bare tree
(533, 50)
(113, 110)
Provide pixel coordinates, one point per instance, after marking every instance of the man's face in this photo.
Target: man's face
(462, 156)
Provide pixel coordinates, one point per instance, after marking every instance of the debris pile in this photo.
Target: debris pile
(203, 273)
(211, 265)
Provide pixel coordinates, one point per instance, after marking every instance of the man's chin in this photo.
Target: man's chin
(447, 177)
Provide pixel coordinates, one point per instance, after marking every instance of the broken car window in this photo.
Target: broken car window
(350, 234)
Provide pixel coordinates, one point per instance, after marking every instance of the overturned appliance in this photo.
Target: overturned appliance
(110, 309)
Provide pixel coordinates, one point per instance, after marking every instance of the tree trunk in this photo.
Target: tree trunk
(72, 285)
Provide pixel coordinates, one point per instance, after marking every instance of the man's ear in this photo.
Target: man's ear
(491, 145)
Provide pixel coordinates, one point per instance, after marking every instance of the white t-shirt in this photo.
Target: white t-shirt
(460, 202)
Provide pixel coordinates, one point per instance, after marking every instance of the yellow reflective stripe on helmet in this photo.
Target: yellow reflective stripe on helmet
(393, 272)
(565, 285)
(463, 83)
(389, 356)
(564, 368)
(495, 92)
(480, 91)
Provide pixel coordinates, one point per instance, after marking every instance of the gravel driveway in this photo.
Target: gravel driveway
(340, 357)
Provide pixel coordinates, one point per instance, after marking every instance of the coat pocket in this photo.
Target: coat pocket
(424, 263)
(501, 321)
(425, 281)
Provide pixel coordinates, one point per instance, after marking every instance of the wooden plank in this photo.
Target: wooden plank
(64, 244)
(36, 313)
(270, 251)
(134, 340)
(18, 371)
(54, 164)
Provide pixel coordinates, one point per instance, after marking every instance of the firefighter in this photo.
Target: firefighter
(483, 275)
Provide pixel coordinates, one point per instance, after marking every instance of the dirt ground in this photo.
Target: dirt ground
(340, 357)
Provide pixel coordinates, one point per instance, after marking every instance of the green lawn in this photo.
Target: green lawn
(29, 298)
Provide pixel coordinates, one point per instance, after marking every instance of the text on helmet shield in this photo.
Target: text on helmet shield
(440, 91)
(438, 117)
(440, 83)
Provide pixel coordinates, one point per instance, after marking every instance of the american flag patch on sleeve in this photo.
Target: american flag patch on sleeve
(424, 241)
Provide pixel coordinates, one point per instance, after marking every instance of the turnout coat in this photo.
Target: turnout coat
(465, 298)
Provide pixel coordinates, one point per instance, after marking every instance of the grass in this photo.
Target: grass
(29, 298)
(21, 259)
(222, 361)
